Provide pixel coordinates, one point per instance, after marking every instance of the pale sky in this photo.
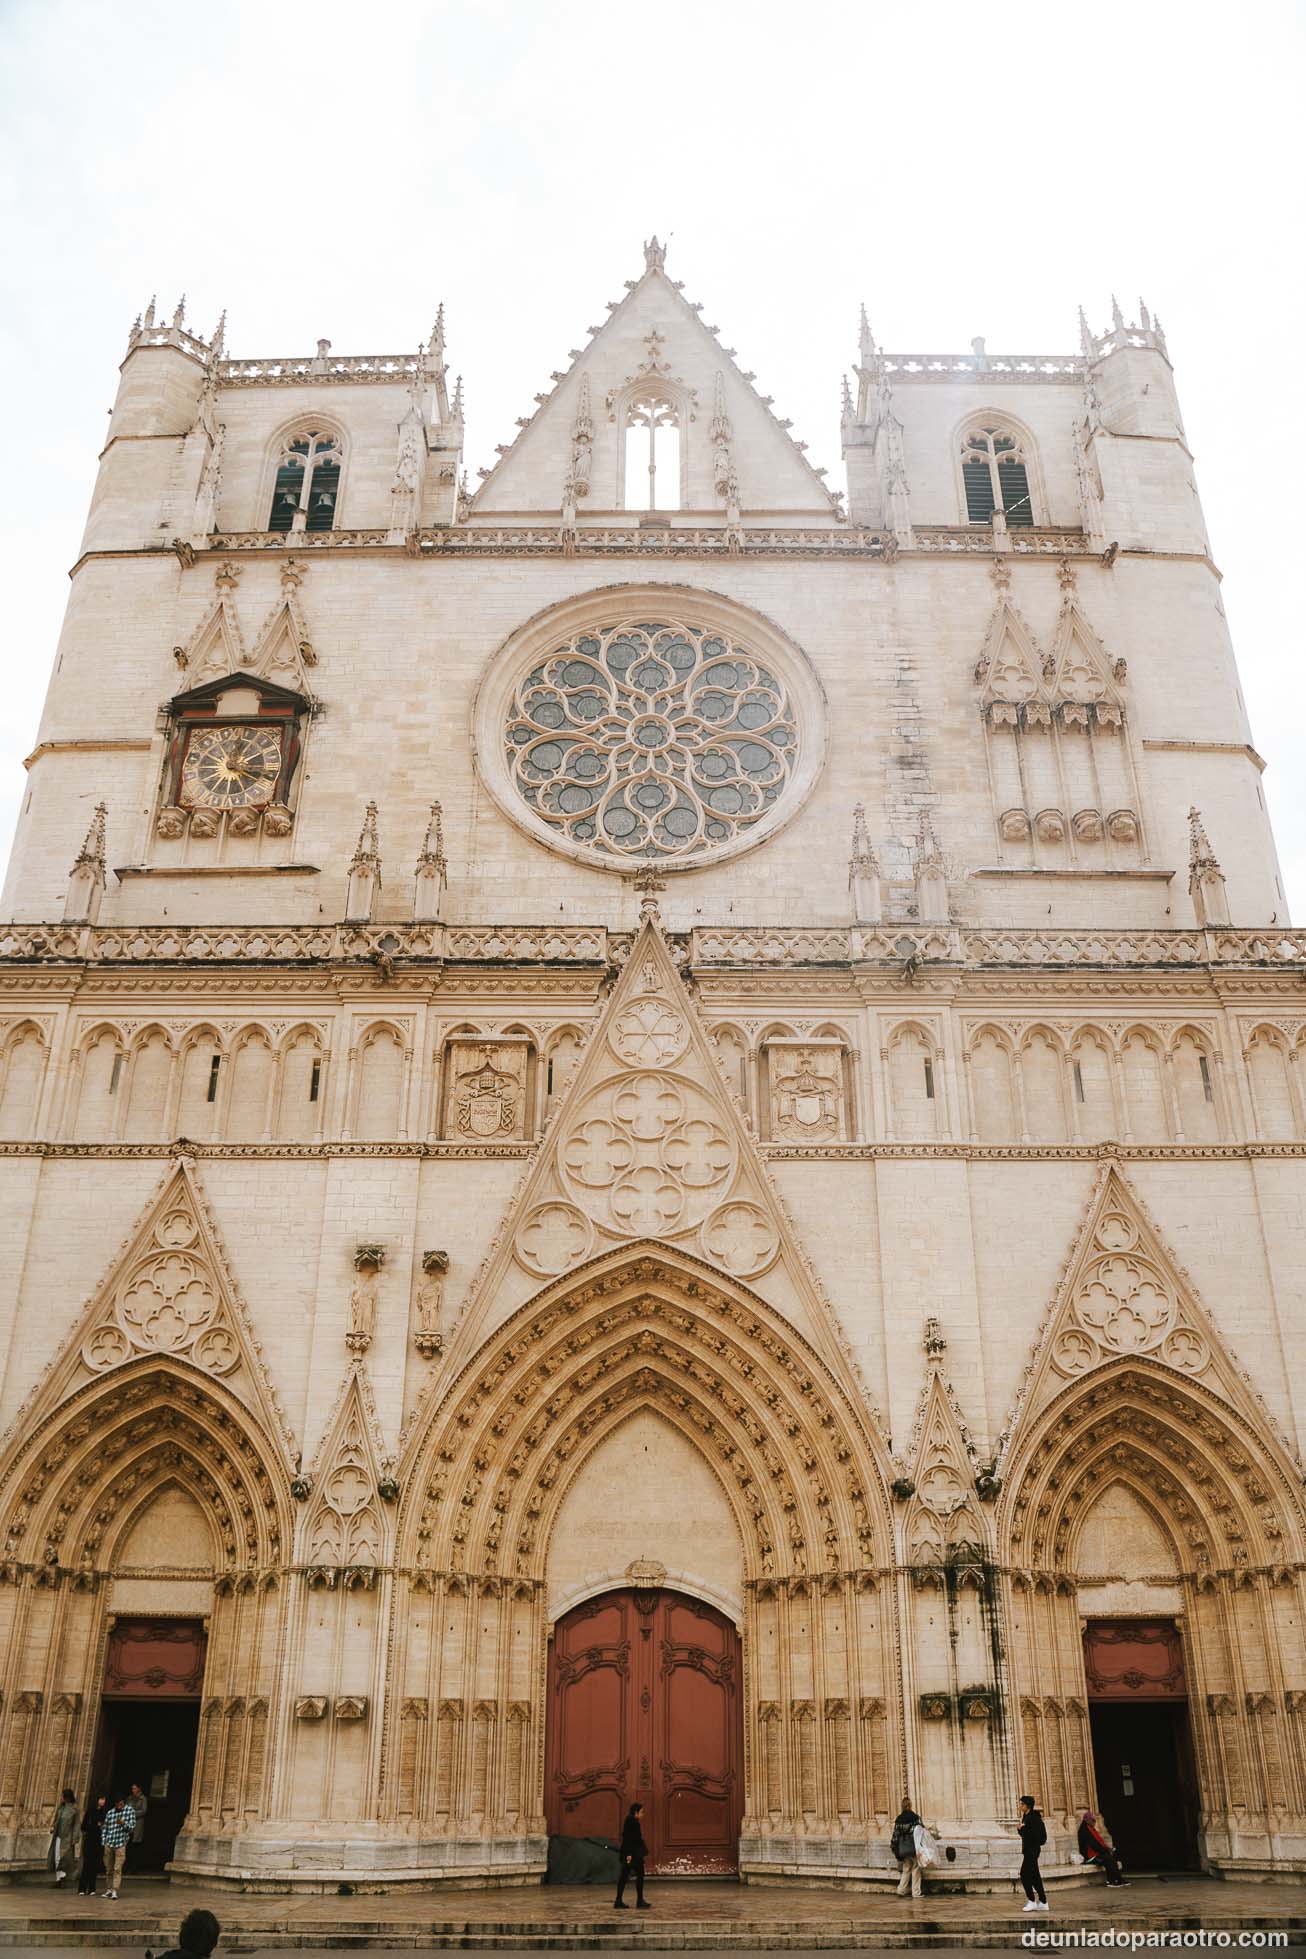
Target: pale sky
(337, 170)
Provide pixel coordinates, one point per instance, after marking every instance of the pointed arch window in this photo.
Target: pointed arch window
(307, 483)
(995, 474)
(652, 449)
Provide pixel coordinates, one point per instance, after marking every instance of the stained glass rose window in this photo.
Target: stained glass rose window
(651, 740)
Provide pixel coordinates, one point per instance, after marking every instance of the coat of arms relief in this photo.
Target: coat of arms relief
(487, 1095)
(807, 1091)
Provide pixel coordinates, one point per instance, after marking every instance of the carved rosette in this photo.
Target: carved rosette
(169, 1300)
(1125, 1303)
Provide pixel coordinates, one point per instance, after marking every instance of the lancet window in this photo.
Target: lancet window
(307, 483)
(652, 440)
(995, 476)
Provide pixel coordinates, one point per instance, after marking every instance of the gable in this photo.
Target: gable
(648, 1144)
(654, 335)
(169, 1294)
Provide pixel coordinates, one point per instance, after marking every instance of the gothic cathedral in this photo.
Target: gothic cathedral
(652, 1130)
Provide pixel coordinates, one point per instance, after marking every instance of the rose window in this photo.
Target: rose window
(651, 741)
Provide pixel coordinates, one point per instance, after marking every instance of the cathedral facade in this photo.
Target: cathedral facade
(652, 1130)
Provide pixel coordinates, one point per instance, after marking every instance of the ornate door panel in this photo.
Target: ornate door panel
(644, 1705)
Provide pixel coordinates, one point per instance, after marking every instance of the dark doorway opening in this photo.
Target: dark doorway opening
(1142, 1743)
(149, 1725)
(151, 1742)
(1142, 1758)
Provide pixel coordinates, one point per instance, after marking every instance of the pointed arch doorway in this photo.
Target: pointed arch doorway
(645, 1705)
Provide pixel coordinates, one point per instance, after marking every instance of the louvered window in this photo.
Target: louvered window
(307, 484)
(995, 477)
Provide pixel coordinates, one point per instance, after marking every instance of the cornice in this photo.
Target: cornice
(868, 1152)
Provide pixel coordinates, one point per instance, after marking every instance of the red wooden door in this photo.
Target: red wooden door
(644, 1706)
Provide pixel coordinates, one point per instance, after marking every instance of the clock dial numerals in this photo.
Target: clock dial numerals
(230, 768)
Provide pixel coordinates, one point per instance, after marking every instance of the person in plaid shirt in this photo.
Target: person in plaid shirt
(115, 1834)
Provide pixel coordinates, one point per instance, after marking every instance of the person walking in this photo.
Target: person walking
(140, 1802)
(115, 1834)
(1094, 1849)
(633, 1852)
(903, 1846)
(198, 1936)
(1033, 1836)
(63, 1841)
(92, 1849)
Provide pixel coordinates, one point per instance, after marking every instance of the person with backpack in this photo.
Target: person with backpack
(903, 1845)
(1033, 1836)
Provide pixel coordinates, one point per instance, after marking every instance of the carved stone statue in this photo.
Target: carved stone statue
(428, 1335)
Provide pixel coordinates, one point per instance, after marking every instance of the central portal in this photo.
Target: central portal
(644, 1706)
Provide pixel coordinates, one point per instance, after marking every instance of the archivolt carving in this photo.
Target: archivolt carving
(805, 1485)
(75, 1484)
(1230, 1503)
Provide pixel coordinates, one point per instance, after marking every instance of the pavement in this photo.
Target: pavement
(706, 1917)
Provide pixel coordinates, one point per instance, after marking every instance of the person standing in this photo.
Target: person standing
(140, 1802)
(63, 1842)
(92, 1849)
(1094, 1849)
(633, 1852)
(1033, 1836)
(115, 1834)
(903, 1846)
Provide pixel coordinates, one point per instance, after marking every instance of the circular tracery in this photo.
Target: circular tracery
(651, 740)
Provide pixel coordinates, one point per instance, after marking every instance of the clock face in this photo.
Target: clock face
(230, 768)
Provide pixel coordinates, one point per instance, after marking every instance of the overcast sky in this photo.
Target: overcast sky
(335, 170)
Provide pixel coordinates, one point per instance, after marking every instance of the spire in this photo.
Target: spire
(435, 345)
(432, 873)
(86, 879)
(179, 317)
(364, 886)
(1144, 317)
(721, 436)
(846, 401)
(218, 345)
(1117, 317)
(1086, 346)
(655, 255)
(865, 341)
(148, 321)
(931, 879)
(577, 480)
(864, 887)
(457, 410)
(1206, 884)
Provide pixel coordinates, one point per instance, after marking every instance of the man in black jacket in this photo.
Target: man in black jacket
(1033, 1836)
(633, 1852)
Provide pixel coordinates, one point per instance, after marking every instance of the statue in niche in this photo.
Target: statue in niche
(368, 1260)
(428, 1336)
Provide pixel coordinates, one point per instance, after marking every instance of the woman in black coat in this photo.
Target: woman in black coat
(92, 1849)
(633, 1852)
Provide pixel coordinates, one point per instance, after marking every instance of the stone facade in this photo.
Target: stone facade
(783, 1023)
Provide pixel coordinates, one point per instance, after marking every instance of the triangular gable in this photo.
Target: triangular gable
(1083, 671)
(1011, 665)
(344, 1527)
(280, 651)
(217, 646)
(1124, 1296)
(654, 333)
(169, 1292)
(648, 1144)
(944, 1516)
